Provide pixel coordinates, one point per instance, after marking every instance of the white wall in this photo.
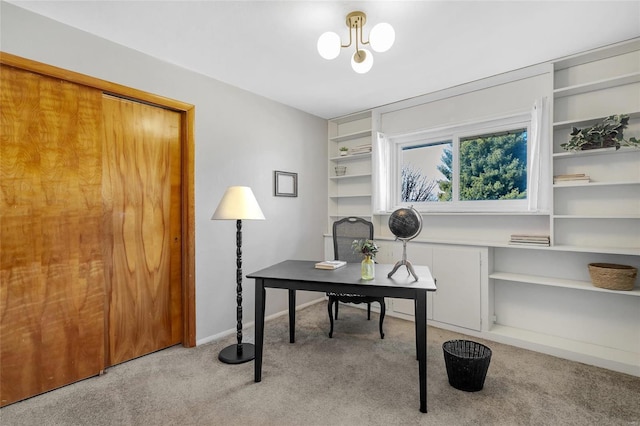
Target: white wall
(240, 139)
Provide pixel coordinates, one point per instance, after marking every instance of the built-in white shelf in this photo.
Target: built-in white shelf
(351, 136)
(599, 151)
(585, 121)
(633, 251)
(586, 216)
(597, 85)
(349, 196)
(351, 157)
(592, 184)
(607, 357)
(350, 176)
(557, 282)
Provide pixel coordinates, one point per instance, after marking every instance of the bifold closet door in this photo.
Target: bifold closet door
(142, 196)
(52, 300)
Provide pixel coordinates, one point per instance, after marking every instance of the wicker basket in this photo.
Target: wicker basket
(467, 363)
(612, 276)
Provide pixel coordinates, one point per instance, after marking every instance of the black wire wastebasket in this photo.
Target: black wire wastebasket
(467, 363)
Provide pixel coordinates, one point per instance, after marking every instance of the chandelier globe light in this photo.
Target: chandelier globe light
(381, 38)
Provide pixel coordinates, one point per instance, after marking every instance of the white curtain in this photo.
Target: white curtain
(380, 171)
(538, 193)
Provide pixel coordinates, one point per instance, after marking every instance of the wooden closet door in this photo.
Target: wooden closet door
(142, 180)
(52, 300)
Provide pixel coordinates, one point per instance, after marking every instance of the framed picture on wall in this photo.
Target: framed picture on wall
(285, 184)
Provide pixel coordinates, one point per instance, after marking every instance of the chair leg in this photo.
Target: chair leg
(383, 309)
(329, 308)
(368, 311)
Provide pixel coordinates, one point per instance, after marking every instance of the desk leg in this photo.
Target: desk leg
(421, 343)
(292, 316)
(259, 318)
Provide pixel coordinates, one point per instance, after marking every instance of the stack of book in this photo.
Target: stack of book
(360, 149)
(572, 179)
(529, 240)
(330, 264)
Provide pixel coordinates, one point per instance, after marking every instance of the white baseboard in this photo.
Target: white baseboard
(252, 323)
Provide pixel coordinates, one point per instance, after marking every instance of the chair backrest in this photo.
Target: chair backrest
(344, 232)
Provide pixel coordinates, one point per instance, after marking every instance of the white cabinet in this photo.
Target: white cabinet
(349, 193)
(458, 274)
(457, 300)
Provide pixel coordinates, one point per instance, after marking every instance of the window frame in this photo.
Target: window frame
(455, 134)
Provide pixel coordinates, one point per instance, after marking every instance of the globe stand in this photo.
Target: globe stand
(404, 262)
(405, 224)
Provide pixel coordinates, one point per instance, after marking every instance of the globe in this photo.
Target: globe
(405, 223)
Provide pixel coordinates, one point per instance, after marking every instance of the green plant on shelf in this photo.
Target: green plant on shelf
(606, 134)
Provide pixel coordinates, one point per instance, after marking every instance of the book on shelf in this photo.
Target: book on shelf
(527, 239)
(530, 237)
(570, 179)
(360, 149)
(330, 264)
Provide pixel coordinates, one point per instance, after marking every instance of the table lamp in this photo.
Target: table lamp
(238, 203)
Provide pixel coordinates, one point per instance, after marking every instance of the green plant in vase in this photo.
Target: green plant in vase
(606, 134)
(368, 248)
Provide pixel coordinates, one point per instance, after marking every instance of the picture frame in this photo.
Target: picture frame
(285, 184)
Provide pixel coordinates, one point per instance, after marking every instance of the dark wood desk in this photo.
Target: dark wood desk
(301, 275)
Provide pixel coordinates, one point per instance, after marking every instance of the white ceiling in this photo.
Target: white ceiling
(269, 47)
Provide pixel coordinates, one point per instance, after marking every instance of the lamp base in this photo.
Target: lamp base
(229, 355)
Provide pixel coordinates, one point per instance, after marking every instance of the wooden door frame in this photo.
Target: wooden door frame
(187, 114)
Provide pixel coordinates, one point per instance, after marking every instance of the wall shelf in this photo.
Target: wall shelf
(600, 151)
(351, 157)
(595, 184)
(360, 175)
(351, 136)
(611, 358)
(586, 121)
(597, 85)
(350, 196)
(557, 282)
(583, 216)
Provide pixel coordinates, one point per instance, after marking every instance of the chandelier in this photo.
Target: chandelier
(381, 39)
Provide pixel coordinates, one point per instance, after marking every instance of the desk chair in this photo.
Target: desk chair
(344, 232)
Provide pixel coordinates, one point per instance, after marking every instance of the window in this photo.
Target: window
(493, 166)
(466, 168)
(424, 174)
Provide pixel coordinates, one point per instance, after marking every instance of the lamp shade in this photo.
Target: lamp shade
(382, 37)
(359, 64)
(238, 203)
(329, 45)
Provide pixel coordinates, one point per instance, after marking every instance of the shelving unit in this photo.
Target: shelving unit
(350, 194)
(606, 211)
(544, 299)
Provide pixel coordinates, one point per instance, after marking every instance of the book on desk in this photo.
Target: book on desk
(330, 264)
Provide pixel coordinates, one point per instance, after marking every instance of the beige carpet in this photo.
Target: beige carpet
(353, 379)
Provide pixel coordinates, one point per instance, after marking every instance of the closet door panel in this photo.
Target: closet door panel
(52, 275)
(142, 196)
